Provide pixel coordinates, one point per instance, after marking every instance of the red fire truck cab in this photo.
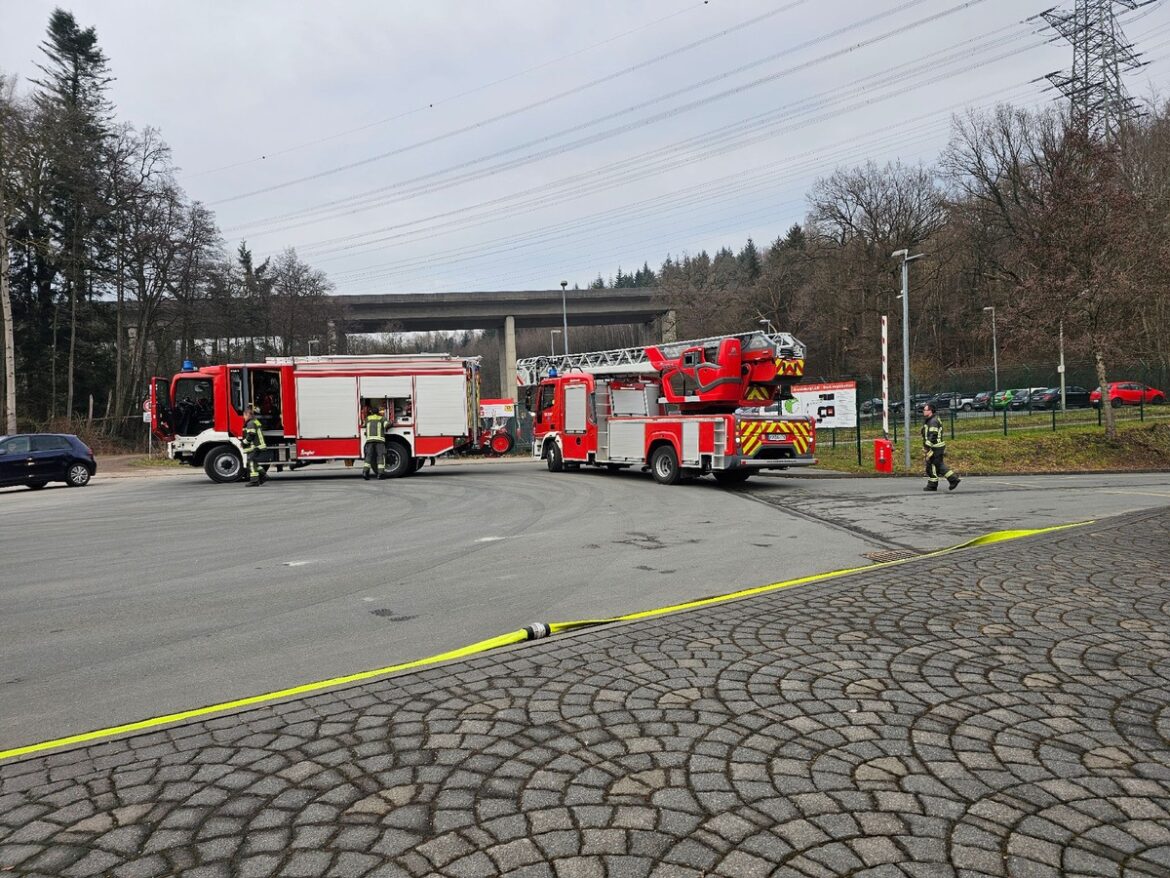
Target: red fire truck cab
(681, 409)
(312, 410)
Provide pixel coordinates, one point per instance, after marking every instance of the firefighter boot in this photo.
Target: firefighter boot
(953, 482)
(931, 486)
(366, 475)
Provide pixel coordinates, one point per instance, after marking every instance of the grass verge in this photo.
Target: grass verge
(1075, 449)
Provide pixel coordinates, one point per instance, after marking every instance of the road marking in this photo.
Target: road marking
(510, 638)
(1141, 493)
(297, 563)
(490, 539)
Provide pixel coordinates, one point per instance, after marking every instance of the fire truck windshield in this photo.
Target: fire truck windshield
(193, 411)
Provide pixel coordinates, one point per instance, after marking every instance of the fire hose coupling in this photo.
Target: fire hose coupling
(537, 631)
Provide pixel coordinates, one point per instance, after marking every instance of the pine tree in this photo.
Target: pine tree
(72, 98)
(749, 261)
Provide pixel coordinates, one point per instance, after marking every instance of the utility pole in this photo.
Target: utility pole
(994, 350)
(1101, 55)
(565, 317)
(906, 403)
(1060, 368)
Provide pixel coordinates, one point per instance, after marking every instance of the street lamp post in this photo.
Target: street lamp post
(552, 334)
(906, 258)
(994, 349)
(565, 317)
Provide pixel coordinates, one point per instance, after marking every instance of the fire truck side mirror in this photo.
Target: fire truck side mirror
(528, 397)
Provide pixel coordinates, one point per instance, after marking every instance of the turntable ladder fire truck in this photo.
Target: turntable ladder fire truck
(312, 410)
(679, 409)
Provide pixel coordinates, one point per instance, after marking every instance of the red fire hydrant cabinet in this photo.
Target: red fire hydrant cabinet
(883, 455)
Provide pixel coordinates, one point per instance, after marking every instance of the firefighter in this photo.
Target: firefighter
(252, 440)
(375, 451)
(934, 447)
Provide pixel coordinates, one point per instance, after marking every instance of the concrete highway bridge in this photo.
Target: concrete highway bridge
(504, 313)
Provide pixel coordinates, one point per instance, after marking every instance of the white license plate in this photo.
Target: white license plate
(779, 437)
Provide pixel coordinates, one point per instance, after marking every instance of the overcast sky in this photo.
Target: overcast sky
(443, 145)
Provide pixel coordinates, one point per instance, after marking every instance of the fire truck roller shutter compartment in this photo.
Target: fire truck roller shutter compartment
(327, 407)
(441, 407)
(386, 387)
(627, 440)
(690, 442)
(576, 399)
(630, 402)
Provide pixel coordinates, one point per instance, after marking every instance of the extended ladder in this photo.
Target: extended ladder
(531, 369)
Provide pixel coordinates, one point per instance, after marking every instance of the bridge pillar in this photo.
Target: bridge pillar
(669, 327)
(335, 342)
(508, 385)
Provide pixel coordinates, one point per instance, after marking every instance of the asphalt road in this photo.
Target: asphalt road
(140, 596)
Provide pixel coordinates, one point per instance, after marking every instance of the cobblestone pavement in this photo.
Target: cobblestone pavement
(1004, 711)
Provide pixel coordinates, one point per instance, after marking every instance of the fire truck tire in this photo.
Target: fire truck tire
(664, 465)
(552, 455)
(419, 463)
(399, 463)
(223, 465)
(732, 476)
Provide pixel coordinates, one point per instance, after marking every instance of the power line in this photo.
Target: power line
(597, 180)
(430, 141)
(436, 103)
(429, 183)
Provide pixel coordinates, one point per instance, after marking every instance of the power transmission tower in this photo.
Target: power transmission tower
(1100, 55)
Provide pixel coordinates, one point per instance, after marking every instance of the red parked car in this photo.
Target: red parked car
(1128, 393)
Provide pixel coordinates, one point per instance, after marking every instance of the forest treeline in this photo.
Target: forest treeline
(1032, 213)
(113, 273)
(110, 267)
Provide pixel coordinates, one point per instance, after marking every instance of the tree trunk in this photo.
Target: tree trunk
(6, 317)
(119, 333)
(1103, 384)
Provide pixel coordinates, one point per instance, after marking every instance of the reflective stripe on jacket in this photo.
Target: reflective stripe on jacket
(375, 428)
(253, 436)
(932, 434)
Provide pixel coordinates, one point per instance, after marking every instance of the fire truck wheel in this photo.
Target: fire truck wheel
(553, 455)
(223, 465)
(399, 463)
(732, 476)
(664, 465)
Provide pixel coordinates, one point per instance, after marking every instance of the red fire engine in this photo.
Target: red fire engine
(678, 409)
(312, 409)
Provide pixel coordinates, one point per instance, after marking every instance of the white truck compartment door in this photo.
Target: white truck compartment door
(440, 405)
(327, 407)
(575, 400)
(690, 442)
(387, 386)
(630, 402)
(627, 440)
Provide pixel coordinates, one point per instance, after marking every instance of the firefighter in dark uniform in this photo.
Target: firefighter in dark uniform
(375, 451)
(253, 442)
(935, 447)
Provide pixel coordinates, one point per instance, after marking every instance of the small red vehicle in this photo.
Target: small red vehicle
(1128, 393)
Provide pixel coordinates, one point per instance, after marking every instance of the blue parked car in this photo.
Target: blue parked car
(35, 459)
